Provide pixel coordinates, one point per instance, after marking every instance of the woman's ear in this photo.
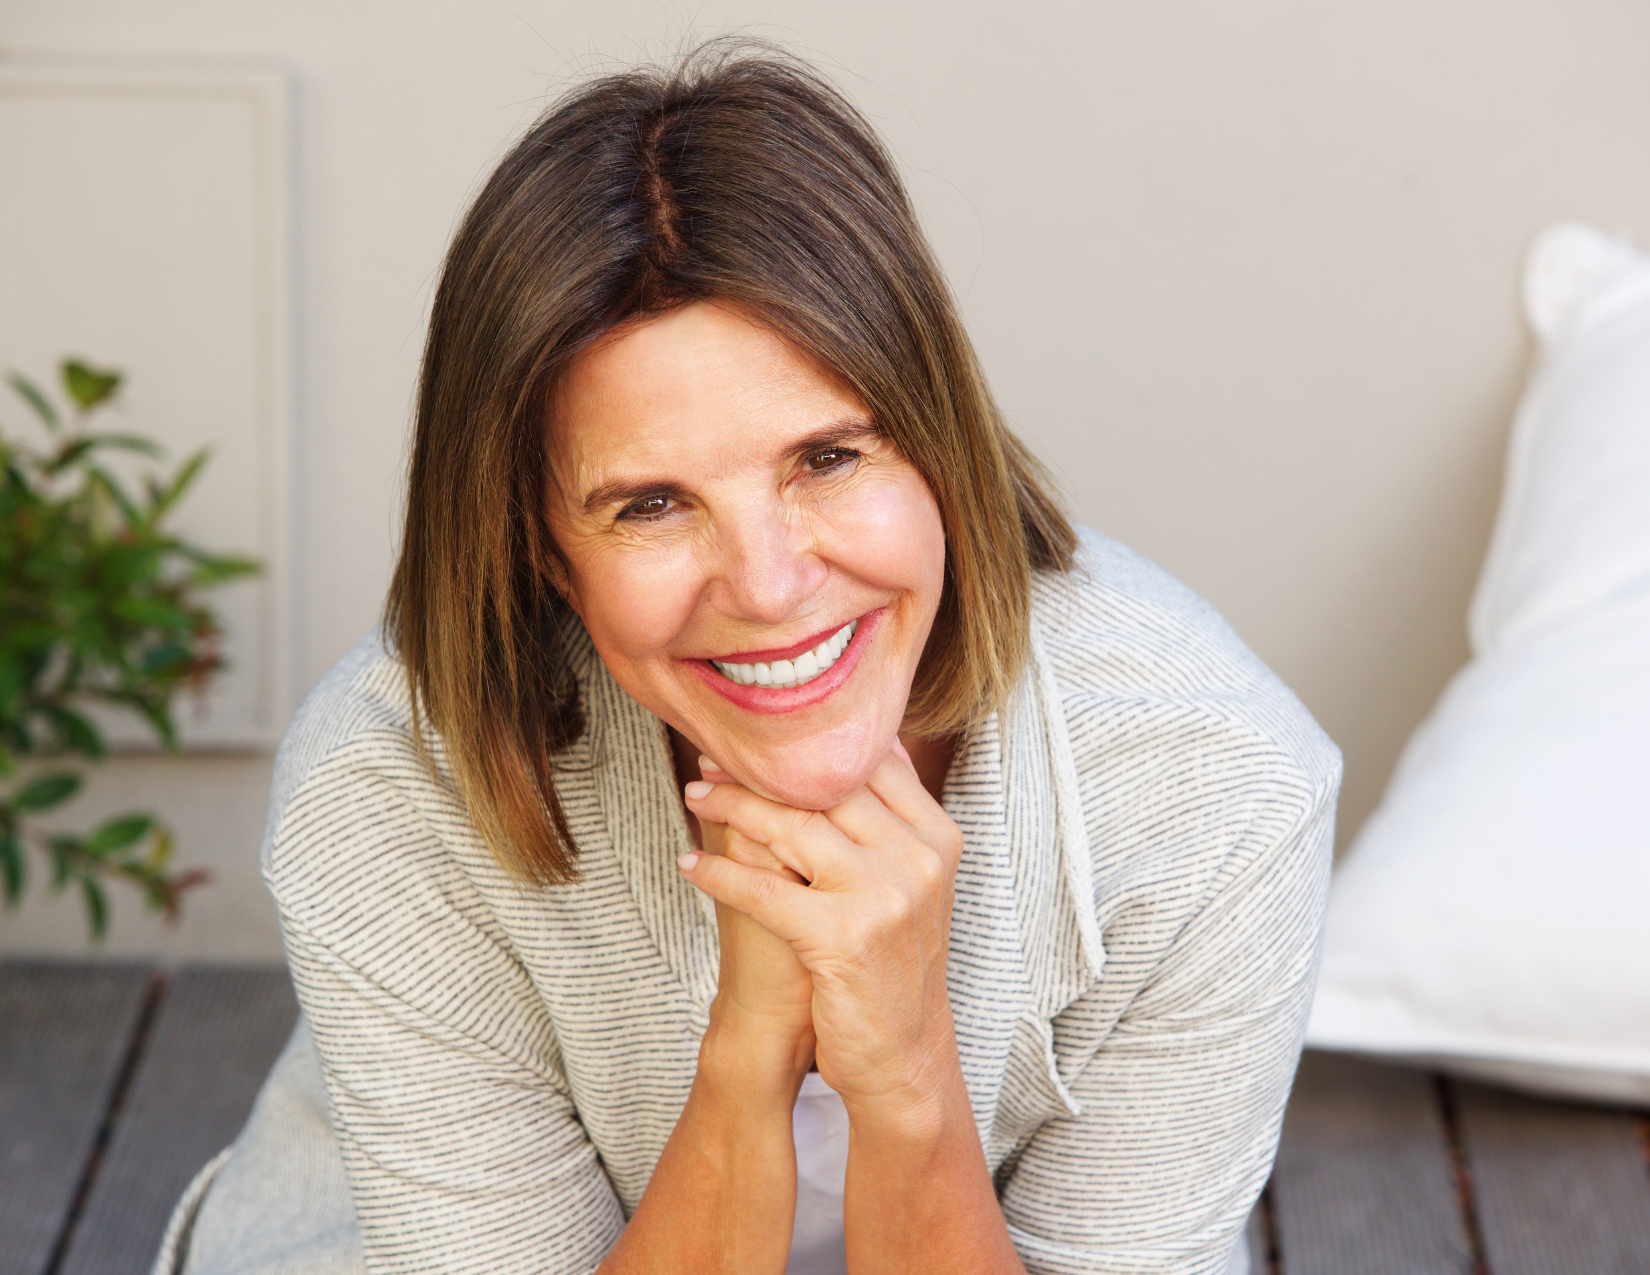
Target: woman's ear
(555, 570)
(555, 566)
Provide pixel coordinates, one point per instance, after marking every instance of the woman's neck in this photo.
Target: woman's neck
(932, 758)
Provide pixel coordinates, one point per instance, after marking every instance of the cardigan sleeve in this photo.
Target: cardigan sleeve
(1178, 1111)
(463, 1149)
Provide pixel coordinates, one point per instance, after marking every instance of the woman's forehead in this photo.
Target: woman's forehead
(699, 376)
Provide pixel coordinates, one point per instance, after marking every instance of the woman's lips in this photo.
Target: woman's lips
(768, 699)
(780, 653)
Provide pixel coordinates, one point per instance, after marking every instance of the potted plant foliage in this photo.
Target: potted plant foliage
(99, 604)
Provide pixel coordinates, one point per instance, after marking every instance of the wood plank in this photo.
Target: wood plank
(1364, 1183)
(1561, 1188)
(65, 1034)
(213, 1042)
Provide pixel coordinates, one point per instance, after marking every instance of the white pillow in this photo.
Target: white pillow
(1493, 916)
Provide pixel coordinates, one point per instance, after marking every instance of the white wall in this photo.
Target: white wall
(1245, 273)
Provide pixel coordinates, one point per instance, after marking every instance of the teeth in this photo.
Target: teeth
(781, 674)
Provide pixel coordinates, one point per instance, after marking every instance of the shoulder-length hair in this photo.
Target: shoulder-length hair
(740, 176)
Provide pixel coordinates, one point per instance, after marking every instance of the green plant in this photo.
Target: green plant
(98, 604)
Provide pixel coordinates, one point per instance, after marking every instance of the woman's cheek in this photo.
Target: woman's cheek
(889, 533)
(636, 604)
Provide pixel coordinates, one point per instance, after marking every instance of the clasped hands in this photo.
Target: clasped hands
(834, 928)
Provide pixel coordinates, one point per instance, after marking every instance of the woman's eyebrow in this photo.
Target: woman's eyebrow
(837, 434)
(623, 490)
(627, 489)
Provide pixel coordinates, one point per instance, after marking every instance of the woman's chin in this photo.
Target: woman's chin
(811, 770)
(805, 795)
(808, 787)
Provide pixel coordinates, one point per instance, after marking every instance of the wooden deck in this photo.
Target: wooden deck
(118, 1082)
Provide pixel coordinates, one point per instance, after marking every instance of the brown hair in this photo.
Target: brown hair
(741, 176)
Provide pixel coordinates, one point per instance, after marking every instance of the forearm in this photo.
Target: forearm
(723, 1196)
(918, 1195)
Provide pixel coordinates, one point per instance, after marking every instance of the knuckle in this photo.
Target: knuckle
(892, 909)
(762, 887)
(799, 823)
(929, 870)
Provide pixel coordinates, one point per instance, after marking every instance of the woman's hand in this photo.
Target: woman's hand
(763, 991)
(861, 896)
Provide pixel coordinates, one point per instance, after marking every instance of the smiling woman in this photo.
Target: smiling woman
(740, 186)
(764, 836)
(755, 563)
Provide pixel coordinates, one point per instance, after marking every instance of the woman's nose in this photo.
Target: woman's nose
(767, 564)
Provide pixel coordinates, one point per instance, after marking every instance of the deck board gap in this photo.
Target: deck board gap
(1269, 1231)
(152, 997)
(1465, 1198)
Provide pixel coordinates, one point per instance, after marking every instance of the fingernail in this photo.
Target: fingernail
(705, 763)
(687, 861)
(698, 790)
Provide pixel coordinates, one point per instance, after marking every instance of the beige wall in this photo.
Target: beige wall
(1244, 273)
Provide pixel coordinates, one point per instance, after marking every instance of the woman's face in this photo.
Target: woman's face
(754, 563)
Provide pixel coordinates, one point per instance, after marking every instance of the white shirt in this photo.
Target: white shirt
(820, 1127)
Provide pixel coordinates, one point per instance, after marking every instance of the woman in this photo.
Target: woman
(748, 723)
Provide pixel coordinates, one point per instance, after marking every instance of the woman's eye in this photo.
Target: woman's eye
(830, 458)
(648, 507)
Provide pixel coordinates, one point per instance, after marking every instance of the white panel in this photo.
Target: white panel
(144, 225)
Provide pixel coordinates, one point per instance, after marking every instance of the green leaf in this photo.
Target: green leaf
(128, 443)
(179, 484)
(97, 910)
(153, 613)
(88, 386)
(118, 834)
(11, 865)
(169, 657)
(105, 482)
(35, 399)
(213, 569)
(74, 447)
(46, 791)
(63, 849)
(160, 850)
(158, 715)
(77, 732)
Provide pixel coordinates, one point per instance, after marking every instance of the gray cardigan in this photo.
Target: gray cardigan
(1147, 826)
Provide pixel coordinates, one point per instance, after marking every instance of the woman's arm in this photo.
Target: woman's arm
(918, 1196)
(872, 931)
(723, 1197)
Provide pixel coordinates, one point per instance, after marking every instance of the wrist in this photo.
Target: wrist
(919, 1106)
(753, 1056)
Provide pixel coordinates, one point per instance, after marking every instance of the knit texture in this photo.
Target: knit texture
(1147, 830)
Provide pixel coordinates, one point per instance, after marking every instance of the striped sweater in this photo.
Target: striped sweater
(1147, 827)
